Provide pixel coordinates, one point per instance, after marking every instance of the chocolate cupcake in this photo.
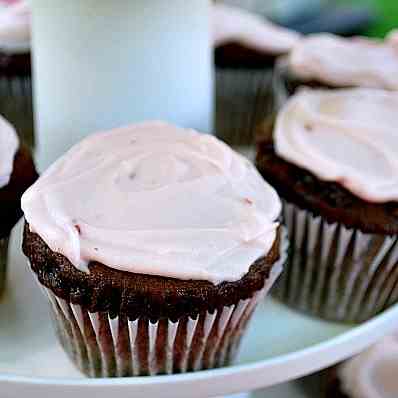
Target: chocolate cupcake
(17, 173)
(15, 67)
(246, 40)
(153, 244)
(331, 384)
(328, 61)
(371, 374)
(331, 158)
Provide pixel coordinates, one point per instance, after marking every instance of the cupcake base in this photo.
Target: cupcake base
(101, 346)
(16, 105)
(105, 347)
(235, 55)
(106, 343)
(337, 273)
(3, 263)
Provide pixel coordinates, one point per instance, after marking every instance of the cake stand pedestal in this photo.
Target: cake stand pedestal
(100, 64)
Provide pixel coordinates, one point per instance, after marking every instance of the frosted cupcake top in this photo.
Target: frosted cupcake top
(9, 144)
(232, 24)
(14, 26)
(372, 374)
(342, 62)
(348, 136)
(155, 199)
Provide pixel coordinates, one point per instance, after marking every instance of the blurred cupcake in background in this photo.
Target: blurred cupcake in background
(371, 374)
(332, 157)
(15, 67)
(156, 270)
(329, 61)
(15, 34)
(244, 39)
(17, 173)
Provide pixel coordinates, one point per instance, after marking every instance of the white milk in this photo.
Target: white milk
(100, 64)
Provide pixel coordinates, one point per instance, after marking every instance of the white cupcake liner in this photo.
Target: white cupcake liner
(280, 93)
(243, 99)
(105, 347)
(16, 105)
(277, 98)
(337, 273)
(101, 346)
(3, 263)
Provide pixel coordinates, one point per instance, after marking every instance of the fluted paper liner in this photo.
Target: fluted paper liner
(16, 105)
(278, 97)
(3, 263)
(337, 273)
(279, 86)
(104, 347)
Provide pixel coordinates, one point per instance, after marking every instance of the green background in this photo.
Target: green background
(387, 10)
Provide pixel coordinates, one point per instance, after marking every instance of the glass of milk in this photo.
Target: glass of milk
(100, 64)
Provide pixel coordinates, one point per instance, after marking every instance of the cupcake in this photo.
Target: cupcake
(329, 61)
(331, 158)
(17, 173)
(15, 67)
(243, 39)
(371, 374)
(153, 244)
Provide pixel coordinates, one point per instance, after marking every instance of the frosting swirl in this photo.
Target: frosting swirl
(342, 62)
(347, 136)
(372, 374)
(155, 199)
(231, 24)
(9, 144)
(15, 26)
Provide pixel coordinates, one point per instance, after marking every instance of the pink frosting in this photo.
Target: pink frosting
(15, 26)
(155, 199)
(344, 62)
(232, 24)
(372, 374)
(392, 37)
(8, 147)
(348, 136)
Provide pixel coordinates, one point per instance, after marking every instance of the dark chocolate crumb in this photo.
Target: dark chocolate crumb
(331, 200)
(308, 127)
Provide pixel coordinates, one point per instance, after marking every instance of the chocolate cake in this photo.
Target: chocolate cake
(369, 374)
(332, 384)
(329, 200)
(23, 176)
(159, 269)
(235, 55)
(17, 173)
(136, 295)
(287, 83)
(248, 40)
(325, 61)
(15, 68)
(13, 65)
(336, 179)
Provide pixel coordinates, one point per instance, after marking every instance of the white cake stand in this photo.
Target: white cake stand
(96, 66)
(100, 64)
(281, 345)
